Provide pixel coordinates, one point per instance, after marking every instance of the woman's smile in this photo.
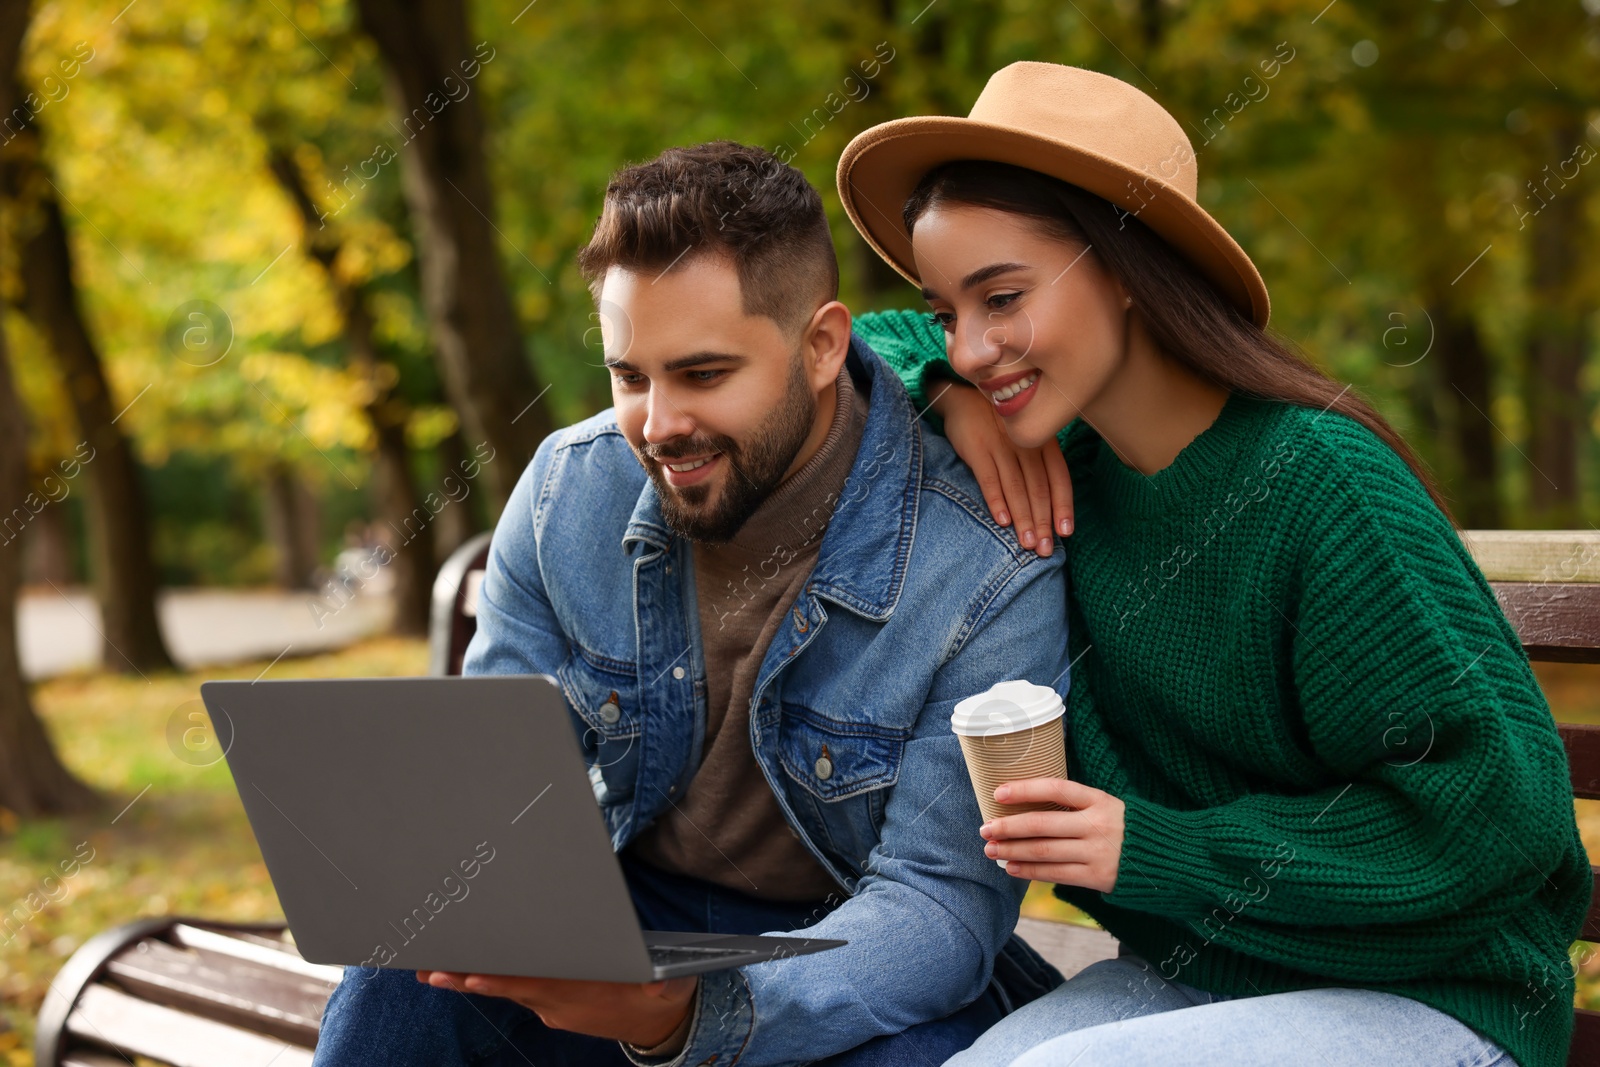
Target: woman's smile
(1013, 392)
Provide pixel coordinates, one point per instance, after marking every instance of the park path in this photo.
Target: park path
(59, 630)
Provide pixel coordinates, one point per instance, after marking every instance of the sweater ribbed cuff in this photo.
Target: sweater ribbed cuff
(1163, 861)
(914, 348)
(937, 376)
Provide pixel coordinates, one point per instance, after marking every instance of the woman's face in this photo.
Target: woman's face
(1032, 320)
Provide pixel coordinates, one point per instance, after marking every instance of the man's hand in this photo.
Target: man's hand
(1082, 846)
(640, 1014)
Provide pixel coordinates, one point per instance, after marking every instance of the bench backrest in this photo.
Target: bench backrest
(1548, 585)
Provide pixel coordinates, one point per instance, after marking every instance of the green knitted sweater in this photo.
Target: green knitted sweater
(1337, 764)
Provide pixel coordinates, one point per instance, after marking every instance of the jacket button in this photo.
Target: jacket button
(609, 713)
(824, 768)
(677, 672)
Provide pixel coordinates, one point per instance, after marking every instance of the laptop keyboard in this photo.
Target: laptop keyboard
(665, 954)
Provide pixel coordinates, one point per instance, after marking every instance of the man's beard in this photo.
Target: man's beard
(754, 470)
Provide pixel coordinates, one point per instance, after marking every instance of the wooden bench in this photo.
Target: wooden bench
(192, 993)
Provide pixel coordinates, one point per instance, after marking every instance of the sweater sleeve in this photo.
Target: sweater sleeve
(912, 344)
(1446, 808)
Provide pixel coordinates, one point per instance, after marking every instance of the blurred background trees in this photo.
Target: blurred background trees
(300, 274)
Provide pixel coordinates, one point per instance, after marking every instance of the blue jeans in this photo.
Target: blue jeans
(1129, 1016)
(383, 1016)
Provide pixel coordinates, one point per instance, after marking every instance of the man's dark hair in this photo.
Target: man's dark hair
(726, 198)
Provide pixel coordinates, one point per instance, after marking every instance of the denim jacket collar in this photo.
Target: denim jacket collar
(861, 561)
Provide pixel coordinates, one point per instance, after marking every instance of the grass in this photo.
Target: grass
(172, 837)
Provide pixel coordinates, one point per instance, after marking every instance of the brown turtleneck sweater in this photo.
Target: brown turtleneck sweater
(727, 827)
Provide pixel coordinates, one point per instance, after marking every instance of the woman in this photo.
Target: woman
(1317, 796)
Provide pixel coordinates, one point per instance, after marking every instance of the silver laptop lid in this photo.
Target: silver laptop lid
(430, 823)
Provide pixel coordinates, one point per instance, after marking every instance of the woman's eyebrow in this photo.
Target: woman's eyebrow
(979, 276)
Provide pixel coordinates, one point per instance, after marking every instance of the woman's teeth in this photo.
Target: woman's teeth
(1014, 388)
(682, 468)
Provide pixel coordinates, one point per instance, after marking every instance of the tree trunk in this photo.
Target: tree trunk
(406, 524)
(1464, 364)
(287, 510)
(459, 521)
(1150, 25)
(445, 176)
(407, 528)
(122, 563)
(47, 549)
(1558, 338)
(32, 780)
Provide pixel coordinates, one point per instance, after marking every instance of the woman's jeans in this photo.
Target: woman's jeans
(381, 1016)
(1121, 1013)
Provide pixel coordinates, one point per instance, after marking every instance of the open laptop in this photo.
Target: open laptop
(445, 824)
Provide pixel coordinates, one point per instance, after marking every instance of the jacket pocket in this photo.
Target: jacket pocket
(609, 725)
(833, 759)
(840, 774)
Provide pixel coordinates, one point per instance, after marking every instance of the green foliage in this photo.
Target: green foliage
(1364, 173)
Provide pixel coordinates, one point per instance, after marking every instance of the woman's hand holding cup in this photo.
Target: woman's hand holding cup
(1081, 846)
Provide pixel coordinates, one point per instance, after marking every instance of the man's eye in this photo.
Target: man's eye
(627, 379)
(712, 375)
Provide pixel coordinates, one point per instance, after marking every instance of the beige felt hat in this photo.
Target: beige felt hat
(1092, 130)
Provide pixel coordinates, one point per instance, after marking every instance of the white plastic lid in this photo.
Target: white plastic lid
(1007, 707)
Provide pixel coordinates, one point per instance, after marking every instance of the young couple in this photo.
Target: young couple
(1316, 792)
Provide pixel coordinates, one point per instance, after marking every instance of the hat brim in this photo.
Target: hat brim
(883, 164)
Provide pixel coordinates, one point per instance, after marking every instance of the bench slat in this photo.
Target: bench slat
(1591, 921)
(90, 1058)
(1535, 555)
(1068, 947)
(269, 1001)
(1582, 742)
(1585, 1048)
(107, 1017)
(277, 954)
(1559, 623)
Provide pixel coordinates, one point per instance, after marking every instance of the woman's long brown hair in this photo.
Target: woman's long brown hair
(1187, 316)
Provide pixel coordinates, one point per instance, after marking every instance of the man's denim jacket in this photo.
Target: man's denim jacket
(917, 600)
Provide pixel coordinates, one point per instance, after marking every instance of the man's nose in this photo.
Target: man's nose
(664, 419)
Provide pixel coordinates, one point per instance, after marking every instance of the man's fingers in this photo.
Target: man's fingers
(1055, 469)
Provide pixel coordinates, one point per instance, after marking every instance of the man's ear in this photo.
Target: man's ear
(825, 343)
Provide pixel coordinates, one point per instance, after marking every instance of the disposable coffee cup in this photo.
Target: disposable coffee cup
(1012, 730)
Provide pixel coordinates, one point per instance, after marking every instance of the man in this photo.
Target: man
(762, 588)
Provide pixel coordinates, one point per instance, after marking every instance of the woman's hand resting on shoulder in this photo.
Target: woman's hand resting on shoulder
(1029, 486)
(1078, 847)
